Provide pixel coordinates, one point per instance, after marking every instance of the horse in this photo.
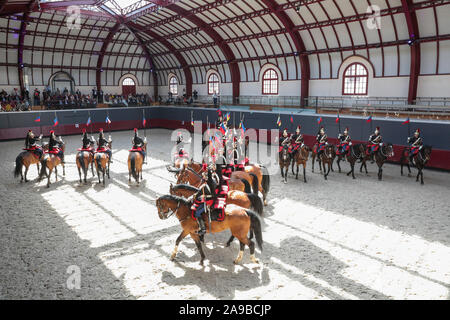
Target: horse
(135, 161)
(25, 159)
(102, 164)
(193, 178)
(354, 153)
(237, 219)
(314, 153)
(239, 198)
(326, 157)
(420, 160)
(384, 152)
(51, 161)
(284, 160)
(85, 158)
(300, 158)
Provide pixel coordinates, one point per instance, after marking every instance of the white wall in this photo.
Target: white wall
(434, 86)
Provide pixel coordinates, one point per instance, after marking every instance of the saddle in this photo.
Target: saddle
(217, 208)
(139, 149)
(86, 149)
(102, 149)
(55, 151)
(33, 150)
(344, 147)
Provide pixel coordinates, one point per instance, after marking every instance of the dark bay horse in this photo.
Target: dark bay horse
(301, 158)
(355, 152)
(383, 153)
(314, 153)
(194, 178)
(284, 159)
(237, 219)
(420, 160)
(327, 157)
(102, 165)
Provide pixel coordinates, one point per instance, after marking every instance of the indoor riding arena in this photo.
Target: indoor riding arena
(138, 136)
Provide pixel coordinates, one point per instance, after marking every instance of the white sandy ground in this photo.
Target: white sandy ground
(335, 239)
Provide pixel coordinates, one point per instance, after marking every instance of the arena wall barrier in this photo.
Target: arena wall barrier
(14, 125)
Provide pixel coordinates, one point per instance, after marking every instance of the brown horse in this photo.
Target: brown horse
(245, 200)
(284, 160)
(300, 158)
(314, 153)
(102, 164)
(25, 159)
(51, 161)
(420, 160)
(237, 219)
(135, 162)
(354, 153)
(84, 159)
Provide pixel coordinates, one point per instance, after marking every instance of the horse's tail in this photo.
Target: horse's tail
(255, 226)
(19, 165)
(80, 159)
(133, 165)
(265, 183)
(256, 203)
(255, 183)
(43, 168)
(98, 158)
(247, 188)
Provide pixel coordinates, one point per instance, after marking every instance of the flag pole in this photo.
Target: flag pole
(40, 123)
(89, 112)
(144, 123)
(109, 122)
(339, 122)
(54, 124)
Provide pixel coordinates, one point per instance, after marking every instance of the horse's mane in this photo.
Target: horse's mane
(185, 187)
(170, 197)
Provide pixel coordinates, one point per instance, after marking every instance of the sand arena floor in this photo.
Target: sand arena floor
(335, 239)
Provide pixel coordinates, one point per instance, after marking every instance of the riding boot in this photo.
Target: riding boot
(202, 227)
(411, 158)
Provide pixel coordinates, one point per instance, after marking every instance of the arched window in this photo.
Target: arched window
(173, 85)
(213, 83)
(355, 80)
(128, 82)
(270, 82)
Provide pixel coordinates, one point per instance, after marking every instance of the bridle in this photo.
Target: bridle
(164, 214)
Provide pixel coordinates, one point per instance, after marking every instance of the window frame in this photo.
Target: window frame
(354, 77)
(277, 79)
(213, 82)
(126, 84)
(173, 84)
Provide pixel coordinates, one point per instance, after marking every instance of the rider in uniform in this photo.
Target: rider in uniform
(322, 140)
(344, 143)
(415, 143)
(54, 146)
(103, 143)
(139, 143)
(284, 140)
(86, 141)
(31, 143)
(205, 194)
(296, 141)
(375, 141)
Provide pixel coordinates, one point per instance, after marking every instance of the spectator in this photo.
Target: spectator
(215, 98)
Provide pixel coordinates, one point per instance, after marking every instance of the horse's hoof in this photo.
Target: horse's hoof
(172, 257)
(253, 259)
(236, 261)
(354, 178)
(201, 263)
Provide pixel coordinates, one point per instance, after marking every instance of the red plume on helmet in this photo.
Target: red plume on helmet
(84, 130)
(29, 130)
(418, 130)
(101, 130)
(135, 129)
(377, 128)
(299, 127)
(52, 132)
(204, 167)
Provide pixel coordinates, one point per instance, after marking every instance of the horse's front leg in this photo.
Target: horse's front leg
(48, 177)
(177, 243)
(241, 253)
(296, 175)
(92, 168)
(338, 163)
(313, 160)
(421, 176)
(56, 173)
(37, 164)
(304, 171)
(380, 173)
(79, 173)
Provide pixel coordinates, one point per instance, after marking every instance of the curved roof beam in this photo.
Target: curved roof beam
(413, 30)
(183, 64)
(101, 55)
(228, 53)
(299, 46)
